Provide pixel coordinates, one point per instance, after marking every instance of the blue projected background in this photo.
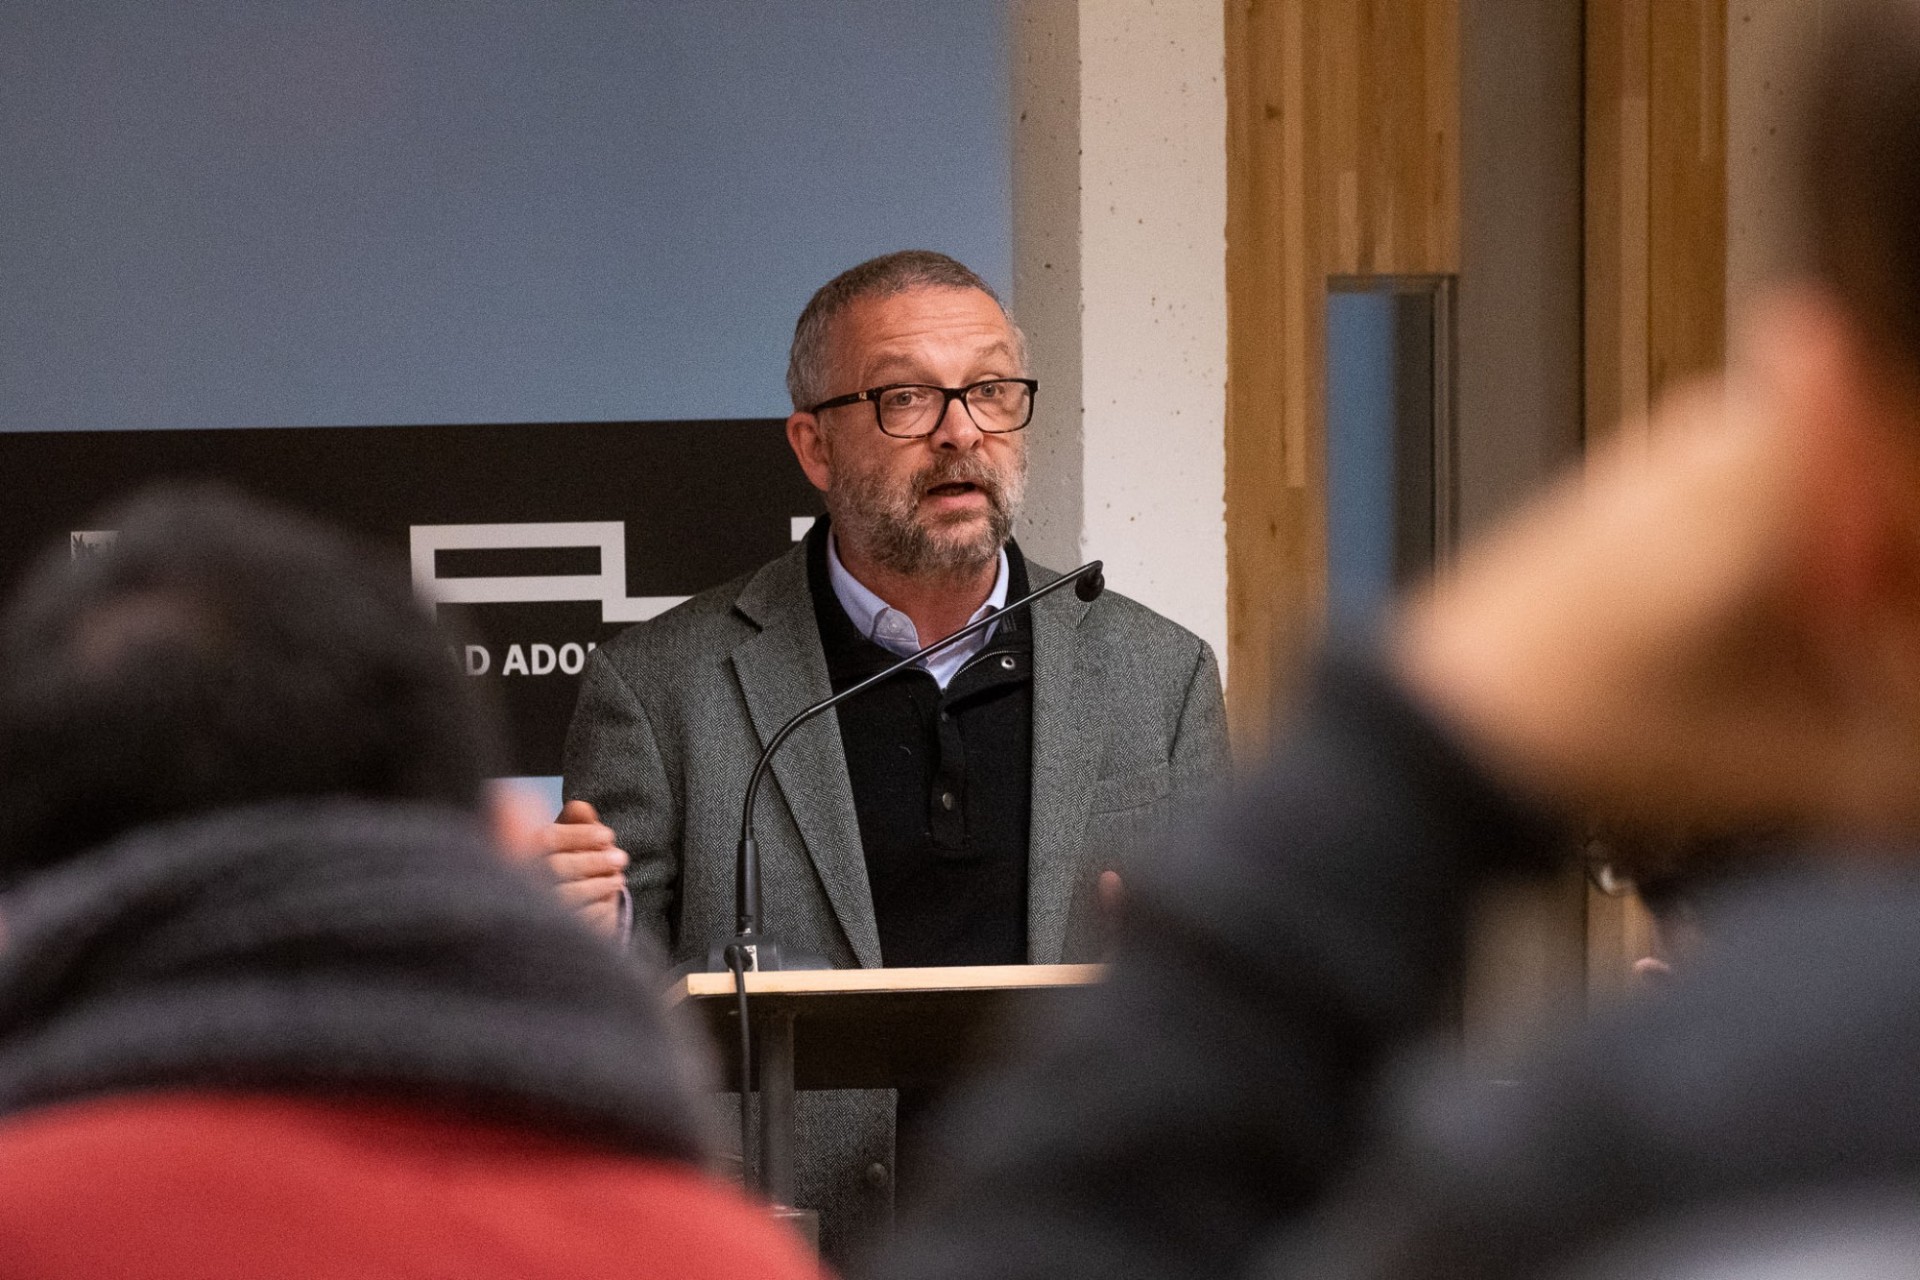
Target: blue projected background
(351, 212)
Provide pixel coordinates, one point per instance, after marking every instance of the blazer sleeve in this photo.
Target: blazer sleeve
(1201, 759)
(613, 761)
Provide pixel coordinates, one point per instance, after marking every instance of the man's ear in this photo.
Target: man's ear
(808, 440)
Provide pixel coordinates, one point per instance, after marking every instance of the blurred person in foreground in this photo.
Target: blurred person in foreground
(272, 1003)
(1722, 636)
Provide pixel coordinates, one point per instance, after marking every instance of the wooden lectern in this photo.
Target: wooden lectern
(862, 1029)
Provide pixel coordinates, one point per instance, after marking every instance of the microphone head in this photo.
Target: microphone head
(1091, 583)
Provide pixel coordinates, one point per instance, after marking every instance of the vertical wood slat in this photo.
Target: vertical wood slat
(1635, 217)
(1294, 248)
(1687, 199)
(1656, 202)
(1617, 223)
(1656, 249)
(1343, 158)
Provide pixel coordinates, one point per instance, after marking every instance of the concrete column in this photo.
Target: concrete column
(1119, 276)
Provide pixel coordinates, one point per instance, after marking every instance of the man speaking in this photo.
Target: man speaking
(964, 812)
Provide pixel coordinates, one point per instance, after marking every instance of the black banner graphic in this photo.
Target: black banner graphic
(542, 540)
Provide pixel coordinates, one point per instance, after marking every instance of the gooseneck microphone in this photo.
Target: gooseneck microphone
(749, 950)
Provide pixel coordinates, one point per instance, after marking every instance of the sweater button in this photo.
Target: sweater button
(946, 801)
(876, 1175)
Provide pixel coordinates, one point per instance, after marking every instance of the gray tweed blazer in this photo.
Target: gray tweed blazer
(1129, 730)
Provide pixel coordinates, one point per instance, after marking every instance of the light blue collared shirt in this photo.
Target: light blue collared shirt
(894, 631)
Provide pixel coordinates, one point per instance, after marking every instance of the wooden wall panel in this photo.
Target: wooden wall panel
(1343, 158)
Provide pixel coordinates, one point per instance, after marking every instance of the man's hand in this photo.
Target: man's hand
(589, 869)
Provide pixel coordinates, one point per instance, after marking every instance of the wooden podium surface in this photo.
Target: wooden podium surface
(876, 1028)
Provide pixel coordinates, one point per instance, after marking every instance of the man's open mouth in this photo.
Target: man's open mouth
(952, 489)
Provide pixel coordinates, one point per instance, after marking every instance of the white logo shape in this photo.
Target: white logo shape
(609, 586)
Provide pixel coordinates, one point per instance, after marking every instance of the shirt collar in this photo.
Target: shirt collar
(887, 626)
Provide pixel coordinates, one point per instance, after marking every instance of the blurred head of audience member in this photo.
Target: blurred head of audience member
(268, 988)
(219, 653)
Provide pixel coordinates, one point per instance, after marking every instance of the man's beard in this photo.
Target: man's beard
(883, 518)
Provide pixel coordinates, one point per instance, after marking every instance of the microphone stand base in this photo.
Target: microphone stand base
(768, 957)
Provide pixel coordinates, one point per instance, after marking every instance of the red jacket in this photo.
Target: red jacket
(159, 1186)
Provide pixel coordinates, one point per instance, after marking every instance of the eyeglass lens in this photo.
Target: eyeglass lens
(1000, 405)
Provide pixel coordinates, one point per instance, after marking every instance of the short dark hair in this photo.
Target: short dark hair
(1861, 169)
(880, 277)
(219, 652)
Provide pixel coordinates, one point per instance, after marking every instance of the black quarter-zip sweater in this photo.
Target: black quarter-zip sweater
(942, 783)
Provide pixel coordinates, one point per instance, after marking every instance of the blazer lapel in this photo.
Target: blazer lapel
(1066, 746)
(782, 671)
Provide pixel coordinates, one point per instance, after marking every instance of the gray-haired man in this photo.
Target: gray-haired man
(966, 814)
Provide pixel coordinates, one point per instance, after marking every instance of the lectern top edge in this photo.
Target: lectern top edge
(828, 981)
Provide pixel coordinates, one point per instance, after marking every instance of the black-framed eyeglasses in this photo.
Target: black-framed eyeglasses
(910, 410)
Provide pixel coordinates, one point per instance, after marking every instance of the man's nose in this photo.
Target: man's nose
(956, 429)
